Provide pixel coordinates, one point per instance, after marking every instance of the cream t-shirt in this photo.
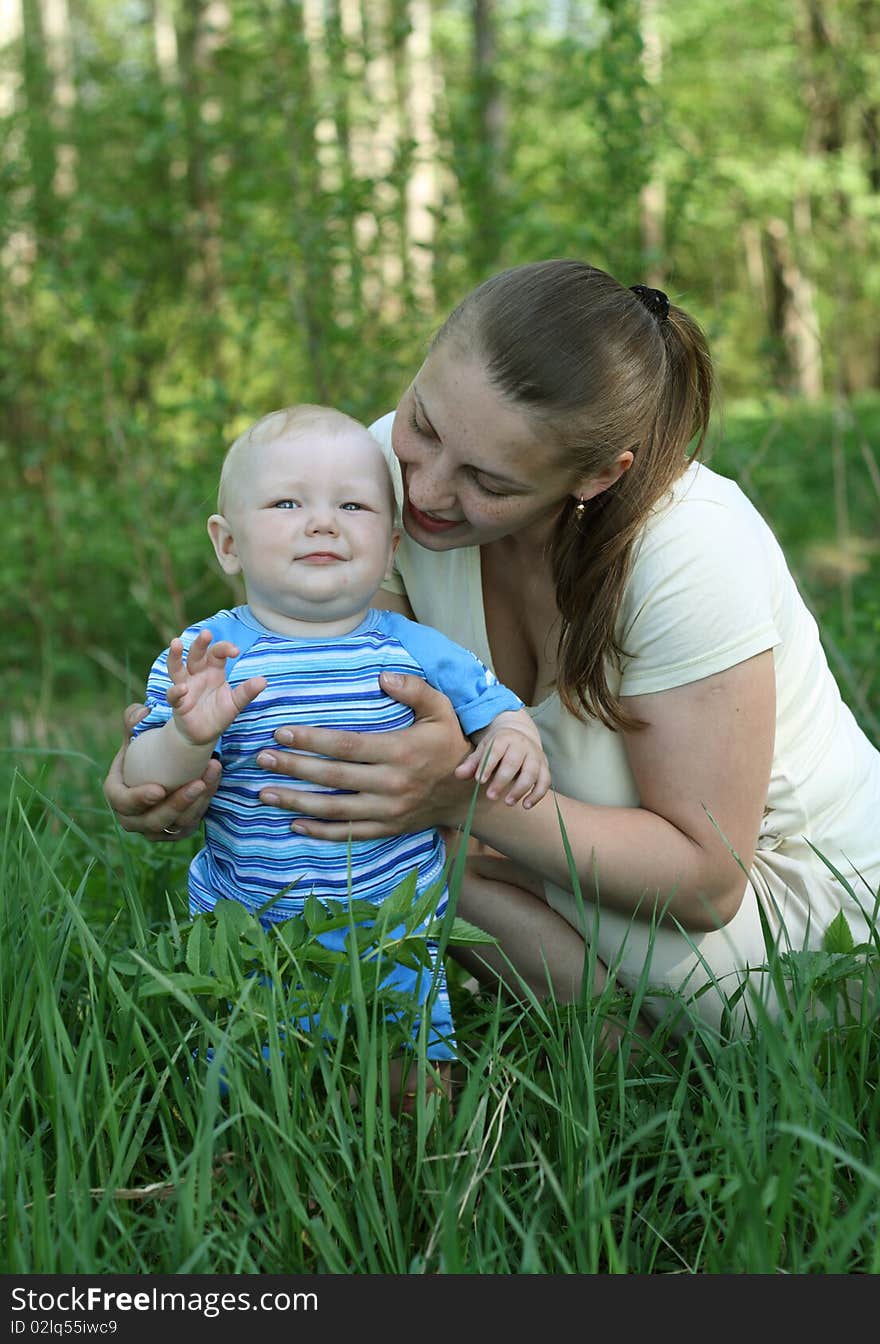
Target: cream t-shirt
(709, 587)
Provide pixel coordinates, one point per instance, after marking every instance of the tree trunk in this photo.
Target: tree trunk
(39, 132)
(755, 267)
(824, 98)
(309, 281)
(422, 192)
(399, 32)
(490, 132)
(164, 40)
(869, 136)
(342, 74)
(793, 317)
(199, 31)
(11, 30)
(653, 193)
(59, 58)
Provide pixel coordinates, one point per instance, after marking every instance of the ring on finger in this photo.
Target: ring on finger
(171, 830)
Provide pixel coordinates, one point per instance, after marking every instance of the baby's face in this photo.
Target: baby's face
(309, 523)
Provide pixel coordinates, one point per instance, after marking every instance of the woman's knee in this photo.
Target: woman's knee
(494, 868)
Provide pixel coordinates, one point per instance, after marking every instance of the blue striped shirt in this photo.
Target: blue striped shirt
(251, 855)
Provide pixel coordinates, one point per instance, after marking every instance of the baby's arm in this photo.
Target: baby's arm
(509, 753)
(204, 706)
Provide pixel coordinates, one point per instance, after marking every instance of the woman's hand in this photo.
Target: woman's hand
(396, 781)
(148, 809)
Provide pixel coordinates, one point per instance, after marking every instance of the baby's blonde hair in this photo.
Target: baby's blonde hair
(274, 426)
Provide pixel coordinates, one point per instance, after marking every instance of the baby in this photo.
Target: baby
(307, 516)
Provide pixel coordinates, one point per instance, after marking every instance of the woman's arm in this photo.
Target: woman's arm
(393, 782)
(702, 769)
(157, 814)
(707, 749)
(385, 600)
(149, 809)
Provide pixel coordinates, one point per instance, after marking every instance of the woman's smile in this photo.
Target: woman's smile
(428, 522)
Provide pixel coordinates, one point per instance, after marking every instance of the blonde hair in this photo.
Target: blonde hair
(275, 425)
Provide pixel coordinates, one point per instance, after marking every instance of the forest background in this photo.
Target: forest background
(211, 208)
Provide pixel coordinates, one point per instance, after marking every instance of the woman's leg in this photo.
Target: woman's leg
(546, 953)
(507, 902)
(405, 1084)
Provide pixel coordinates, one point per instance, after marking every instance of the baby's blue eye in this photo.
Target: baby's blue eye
(286, 504)
(351, 505)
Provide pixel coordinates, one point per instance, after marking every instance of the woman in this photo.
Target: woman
(638, 603)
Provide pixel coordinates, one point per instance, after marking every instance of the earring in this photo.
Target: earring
(579, 510)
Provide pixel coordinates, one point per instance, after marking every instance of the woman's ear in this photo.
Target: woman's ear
(595, 485)
(224, 543)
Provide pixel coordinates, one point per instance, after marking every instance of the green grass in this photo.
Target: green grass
(122, 1152)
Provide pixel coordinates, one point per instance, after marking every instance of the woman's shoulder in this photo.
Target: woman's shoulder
(705, 542)
(381, 432)
(705, 588)
(381, 429)
(700, 485)
(703, 509)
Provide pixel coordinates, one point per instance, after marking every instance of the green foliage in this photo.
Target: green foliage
(289, 973)
(165, 1113)
(838, 937)
(190, 241)
(95, 594)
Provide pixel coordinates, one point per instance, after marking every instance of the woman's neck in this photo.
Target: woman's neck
(529, 547)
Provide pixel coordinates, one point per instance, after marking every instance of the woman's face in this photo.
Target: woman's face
(475, 468)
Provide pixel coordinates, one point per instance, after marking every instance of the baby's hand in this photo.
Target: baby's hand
(203, 701)
(509, 760)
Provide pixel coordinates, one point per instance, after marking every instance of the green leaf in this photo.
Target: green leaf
(125, 964)
(185, 984)
(327, 921)
(315, 954)
(820, 969)
(165, 952)
(464, 933)
(232, 916)
(292, 933)
(411, 953)
(838, 935)
(314, 914)
(198, 948)
(220, 951)
(427, 904)
(398, 905)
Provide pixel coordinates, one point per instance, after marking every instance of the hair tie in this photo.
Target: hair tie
(654, 300)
